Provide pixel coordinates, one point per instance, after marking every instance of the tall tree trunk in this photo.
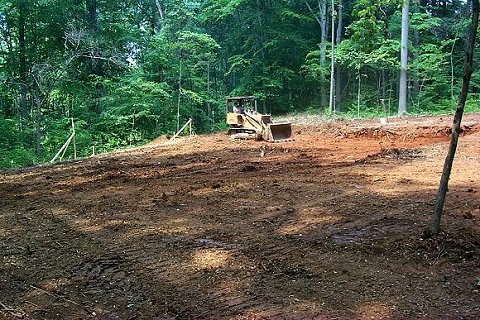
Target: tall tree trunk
(452, 76)
(179, 92)
(38, 119)
(339, 23)
(338, 80)
(359, 91)
(402, 97)
(23, 63)
(93, 25)
(161, 13)
(92, 17)
(416, 45)
(332, 61)
(262, 50)
(322, 6)
(261, 36)
(447, 167)
(321, 18)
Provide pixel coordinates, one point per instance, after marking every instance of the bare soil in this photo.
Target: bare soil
(329, 226)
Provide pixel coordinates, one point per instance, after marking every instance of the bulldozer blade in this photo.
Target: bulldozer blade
(279, 132)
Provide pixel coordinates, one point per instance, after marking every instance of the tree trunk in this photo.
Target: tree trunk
(38, 132)
(416, 44)
(179, 92)
(37, 135)
(161, 13)
(338, 80)
(93, 25)
(262, 50)
(92, 17)
(467, 74)
(159, 9)
(261, 36)
(402, 97)
(321, 19)
(23, 63)
(209, 107)
(332, 62)
(322, 6)
(452, 76)
(359, 91)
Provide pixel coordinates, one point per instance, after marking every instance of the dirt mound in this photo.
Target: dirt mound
(394, 154)
(328, 226)
(398, 132)
(160, 140)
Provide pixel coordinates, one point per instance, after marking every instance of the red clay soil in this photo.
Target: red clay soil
(329, 226)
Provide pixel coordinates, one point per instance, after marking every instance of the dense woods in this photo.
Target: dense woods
(126, 71)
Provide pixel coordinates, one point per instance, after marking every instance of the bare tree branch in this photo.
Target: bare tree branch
(160, 9)
(313, 12)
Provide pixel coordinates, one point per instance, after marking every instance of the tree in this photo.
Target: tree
(402, 96)
(338, 79)
(368, 53)
(321, 19)
(22, 61)
(332, 61)
(467, 74)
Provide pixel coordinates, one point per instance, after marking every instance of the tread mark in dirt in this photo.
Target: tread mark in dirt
(351, 246)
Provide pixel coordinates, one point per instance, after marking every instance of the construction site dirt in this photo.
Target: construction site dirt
(329, 226)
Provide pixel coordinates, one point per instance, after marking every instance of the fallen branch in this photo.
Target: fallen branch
(56, 296)
(36, 306)
(13, 312)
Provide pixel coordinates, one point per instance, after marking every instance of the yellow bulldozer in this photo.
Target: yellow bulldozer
(245, 122)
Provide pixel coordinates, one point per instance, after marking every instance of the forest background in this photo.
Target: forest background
(127, 71)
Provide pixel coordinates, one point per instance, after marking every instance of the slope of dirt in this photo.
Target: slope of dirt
(328, 226)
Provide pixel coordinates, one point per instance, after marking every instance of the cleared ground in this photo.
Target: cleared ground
(329, 226)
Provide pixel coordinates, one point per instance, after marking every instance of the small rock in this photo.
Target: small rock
(467, 215)
(249, 168)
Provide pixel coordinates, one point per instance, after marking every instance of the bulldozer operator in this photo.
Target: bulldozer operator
(238, 107)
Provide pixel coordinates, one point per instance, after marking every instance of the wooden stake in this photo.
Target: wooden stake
(189, 122)
(65, 145)
(74, 142)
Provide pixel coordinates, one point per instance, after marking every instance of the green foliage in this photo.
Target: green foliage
(122, 70)
(431, 68)
(424, 22)
(221, 9)
(473, 104)
(135, 110)
(347, 55)
(313, 68)
(14, 154)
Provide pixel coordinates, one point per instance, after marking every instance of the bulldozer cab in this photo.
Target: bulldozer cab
(236, 107)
